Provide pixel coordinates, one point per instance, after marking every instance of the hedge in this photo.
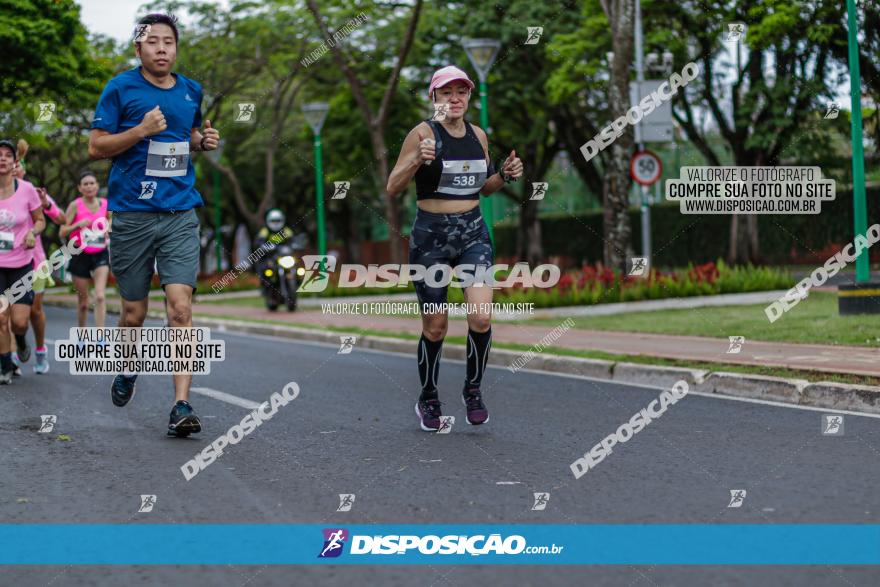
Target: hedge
(680, 239)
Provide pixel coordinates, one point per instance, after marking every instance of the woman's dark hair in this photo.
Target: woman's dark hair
(84, 174)
(158, 18)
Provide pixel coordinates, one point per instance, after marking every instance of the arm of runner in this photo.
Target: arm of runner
(211, 136)
(512, 166)
(30, 239)
(50, 209)
(104, 145)
(66, 228)
(418, 147)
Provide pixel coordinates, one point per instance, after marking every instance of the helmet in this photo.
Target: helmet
(275, 219)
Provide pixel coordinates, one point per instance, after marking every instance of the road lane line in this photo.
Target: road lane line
(572, 376)
(247, 403)
(226, 397)
(748, 400)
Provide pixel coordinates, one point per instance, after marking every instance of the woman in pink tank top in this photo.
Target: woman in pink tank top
(92, 265)
(38, 316)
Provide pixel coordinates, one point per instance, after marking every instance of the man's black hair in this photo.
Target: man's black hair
(86, 173)
(159, 18)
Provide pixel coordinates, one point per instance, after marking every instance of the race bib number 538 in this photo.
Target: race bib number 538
(462, 177)
(167, 159)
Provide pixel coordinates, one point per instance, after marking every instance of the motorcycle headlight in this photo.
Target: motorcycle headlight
(268, 273)
(287, 261)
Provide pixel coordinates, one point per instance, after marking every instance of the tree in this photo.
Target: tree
(46, 53)
(783, 79)
(376, 120)
(521, 118)
(588, 87)
(617, 181)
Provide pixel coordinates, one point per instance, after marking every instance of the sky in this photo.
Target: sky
(114, 18)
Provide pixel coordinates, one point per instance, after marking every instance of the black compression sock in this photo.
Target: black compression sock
(20, 341)
(6, 364)
(429, 366)
(478, 344)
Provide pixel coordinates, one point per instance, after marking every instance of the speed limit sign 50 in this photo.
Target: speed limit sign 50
(645, 168)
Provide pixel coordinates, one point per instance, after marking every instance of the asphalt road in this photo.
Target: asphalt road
(352, 430)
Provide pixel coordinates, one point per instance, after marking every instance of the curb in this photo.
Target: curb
(822, 394)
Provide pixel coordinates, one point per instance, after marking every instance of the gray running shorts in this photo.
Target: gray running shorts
(138, 239)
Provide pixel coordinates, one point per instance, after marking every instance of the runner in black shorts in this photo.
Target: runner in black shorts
(89, 211)
(21, 222)
(450, 231)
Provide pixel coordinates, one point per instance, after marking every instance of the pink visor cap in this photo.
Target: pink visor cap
(445, 75)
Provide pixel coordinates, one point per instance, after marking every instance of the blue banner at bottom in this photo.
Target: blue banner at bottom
(380, 544)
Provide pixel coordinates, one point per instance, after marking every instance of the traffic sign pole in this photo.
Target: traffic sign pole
(645, 168)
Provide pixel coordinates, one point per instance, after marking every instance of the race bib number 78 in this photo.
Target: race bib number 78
(167, 159)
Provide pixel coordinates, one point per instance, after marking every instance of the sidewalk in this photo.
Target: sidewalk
(807, 357)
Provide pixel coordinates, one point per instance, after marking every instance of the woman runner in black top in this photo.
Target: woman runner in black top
(449, 231)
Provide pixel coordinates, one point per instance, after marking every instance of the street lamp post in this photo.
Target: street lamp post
(862, 296)
(858, 156)
(482, 53)
(215, 157)
(316, 113)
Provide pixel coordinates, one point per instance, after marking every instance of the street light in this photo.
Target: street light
(482, 53)
(857, 298)
(215, 157)
(315, 114)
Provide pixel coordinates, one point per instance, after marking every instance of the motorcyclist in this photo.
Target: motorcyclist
(275, 232)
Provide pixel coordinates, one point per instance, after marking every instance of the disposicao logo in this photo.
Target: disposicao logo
(334, 541)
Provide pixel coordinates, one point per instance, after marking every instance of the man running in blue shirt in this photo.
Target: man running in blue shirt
(148, 121)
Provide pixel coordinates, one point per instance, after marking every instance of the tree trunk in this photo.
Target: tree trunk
(617, 182)
(733, 240)
(392, 209)
(352, 234)
(754, 251)
(528, 236)
(744, 245)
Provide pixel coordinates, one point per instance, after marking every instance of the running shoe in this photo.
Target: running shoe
(17, 362)
(183, 420)
(5, 377)
(122, 389)
(42, 365)
(429, 414)
(476, 410)
(23, 351)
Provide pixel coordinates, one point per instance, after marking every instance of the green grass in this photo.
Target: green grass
(255, 302)
(460, 340)
(814, 320)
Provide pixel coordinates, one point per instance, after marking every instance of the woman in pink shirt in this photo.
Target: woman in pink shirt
(38, 316)
(21, 222)
(93, 264)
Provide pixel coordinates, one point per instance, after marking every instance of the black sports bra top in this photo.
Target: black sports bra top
(459, 170)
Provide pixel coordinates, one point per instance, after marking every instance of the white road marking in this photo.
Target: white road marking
(508, 483)
(572, 376)
(226, 397)
(229, 398)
